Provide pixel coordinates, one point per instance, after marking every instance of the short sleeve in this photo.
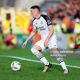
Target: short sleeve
(48, 20)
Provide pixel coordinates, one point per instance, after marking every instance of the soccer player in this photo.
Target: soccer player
(48, 38)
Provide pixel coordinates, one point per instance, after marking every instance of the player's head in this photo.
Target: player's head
(35, 10)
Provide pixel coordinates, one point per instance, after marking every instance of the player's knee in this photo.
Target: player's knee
(60, 59)
(58, 55)
(34, 51)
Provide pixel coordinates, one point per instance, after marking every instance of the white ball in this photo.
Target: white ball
(15, 66)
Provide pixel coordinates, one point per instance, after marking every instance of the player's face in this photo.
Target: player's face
(34, 12)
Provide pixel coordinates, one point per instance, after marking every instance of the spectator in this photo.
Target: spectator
(76, 26)
(77, 41)
(66, 13)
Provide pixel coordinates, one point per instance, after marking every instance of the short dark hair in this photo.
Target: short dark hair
(35, 7)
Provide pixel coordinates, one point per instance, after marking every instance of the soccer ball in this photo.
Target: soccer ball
(15, 66)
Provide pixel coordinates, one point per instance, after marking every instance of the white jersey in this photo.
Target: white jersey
(42, 24)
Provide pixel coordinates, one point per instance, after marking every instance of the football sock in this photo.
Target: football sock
(60, 59)
(39, 56)
(44, 60)
(63, 65)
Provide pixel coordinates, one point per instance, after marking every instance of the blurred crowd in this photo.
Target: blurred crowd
(9, 39)
(65, 17)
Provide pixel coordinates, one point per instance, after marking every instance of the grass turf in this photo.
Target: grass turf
(33, 70)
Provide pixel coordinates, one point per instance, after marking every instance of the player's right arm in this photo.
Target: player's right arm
(30, 36)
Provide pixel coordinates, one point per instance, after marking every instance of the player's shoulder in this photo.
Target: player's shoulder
(46, 17)
(33, 19)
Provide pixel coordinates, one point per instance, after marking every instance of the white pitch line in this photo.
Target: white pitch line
(31, 60)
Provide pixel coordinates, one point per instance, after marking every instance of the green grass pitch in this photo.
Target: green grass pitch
(32, 70)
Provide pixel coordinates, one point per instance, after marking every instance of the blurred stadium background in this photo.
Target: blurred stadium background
(16, 22)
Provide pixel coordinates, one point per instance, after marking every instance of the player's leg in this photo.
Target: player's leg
(59, 57)
(36, 50)
(53, 48)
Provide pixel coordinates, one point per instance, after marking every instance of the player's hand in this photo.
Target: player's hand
(45, 43)
(24, 44)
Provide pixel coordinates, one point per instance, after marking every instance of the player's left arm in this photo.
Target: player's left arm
(49, 35)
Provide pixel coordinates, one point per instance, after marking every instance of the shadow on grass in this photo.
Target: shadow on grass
(54, 67)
